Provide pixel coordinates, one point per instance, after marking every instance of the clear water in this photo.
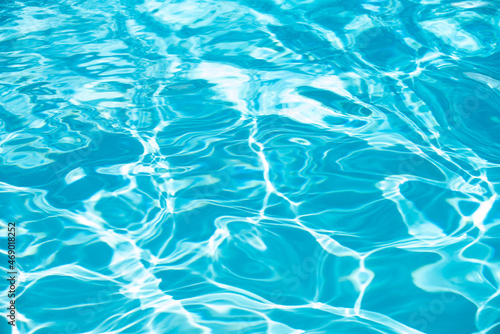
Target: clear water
(251, 166)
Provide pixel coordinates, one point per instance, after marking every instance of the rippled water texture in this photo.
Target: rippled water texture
(251, 166)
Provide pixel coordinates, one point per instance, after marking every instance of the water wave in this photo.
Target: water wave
(252, 166)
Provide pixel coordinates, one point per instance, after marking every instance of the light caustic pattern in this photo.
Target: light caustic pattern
(252, 166)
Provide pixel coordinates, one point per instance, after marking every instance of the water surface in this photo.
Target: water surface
(252, 166)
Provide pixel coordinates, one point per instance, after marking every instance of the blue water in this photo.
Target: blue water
(251, 166)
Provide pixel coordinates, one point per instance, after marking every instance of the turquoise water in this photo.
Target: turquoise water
(251, 166)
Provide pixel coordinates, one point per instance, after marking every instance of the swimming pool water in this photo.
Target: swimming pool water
(251, 166)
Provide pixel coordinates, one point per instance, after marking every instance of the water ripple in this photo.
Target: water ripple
(252, 166)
